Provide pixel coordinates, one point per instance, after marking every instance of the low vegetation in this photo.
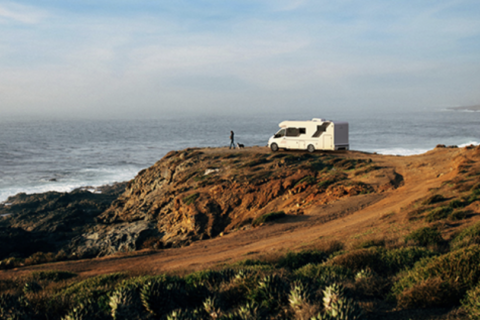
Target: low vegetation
(432, 270)
(267, 218)
(328, 283)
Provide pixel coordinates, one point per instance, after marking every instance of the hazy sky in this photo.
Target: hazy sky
(146, 58)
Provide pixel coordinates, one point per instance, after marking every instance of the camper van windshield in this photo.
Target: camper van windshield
(280, 133)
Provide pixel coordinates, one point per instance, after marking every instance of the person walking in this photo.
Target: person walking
(232, 144)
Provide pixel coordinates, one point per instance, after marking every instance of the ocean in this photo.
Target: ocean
(61, 155)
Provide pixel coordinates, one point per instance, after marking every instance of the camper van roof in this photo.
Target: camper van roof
(294, 123)
(297, 123)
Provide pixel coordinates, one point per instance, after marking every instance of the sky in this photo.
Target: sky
(147, 58)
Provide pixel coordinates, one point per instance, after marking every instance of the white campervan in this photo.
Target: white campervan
(311, 135)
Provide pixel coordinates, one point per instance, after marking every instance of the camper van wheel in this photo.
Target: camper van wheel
(310, 148)
(274, 147)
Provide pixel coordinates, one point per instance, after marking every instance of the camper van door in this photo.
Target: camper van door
(327, 142)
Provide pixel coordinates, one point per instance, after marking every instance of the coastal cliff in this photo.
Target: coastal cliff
(198, 194)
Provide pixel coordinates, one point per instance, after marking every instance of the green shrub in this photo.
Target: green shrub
(458, 215)
(471, 303)
(380, 260)
(329, 180)
(53, 275)
(337, 306)
(253, 262)
(188, 200)
(162, 296)
(295, 260)
(425, 237)
(369, 284)
(13, 307)
(438, 214)
(95, 289)
(473, 197)
(249, 310)
(459, 268)
(10, 263)
(432, 292)
(299, 296)
(434, 199)
(308, 180)
(324, 274)
(32, 287)
(39, 258)
(359, 259)
(271, 293)
(467, 237)
(268, 217)
(210, 277)
(455, 204)
(399, 259)
(476, 189)
(125, 304)
(184, 314)
(370, 243)
(88, 309)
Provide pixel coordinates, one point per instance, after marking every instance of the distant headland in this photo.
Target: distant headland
(466, 108)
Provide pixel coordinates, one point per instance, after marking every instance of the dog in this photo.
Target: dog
(240, 146)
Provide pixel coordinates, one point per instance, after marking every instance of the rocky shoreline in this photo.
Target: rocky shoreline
(188, 195)
(49, 222)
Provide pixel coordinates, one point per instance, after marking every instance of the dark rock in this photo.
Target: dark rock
(106, 240)
(48, 222)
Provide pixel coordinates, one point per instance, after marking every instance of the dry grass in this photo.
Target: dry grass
(372, 287)
(433, 292)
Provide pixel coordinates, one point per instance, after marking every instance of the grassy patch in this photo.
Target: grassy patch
(425, 237)
(471, 303)
(256, 162)
(381, 260)
(434, 199)
(308, 180)
(454, 204)
(283, 288)
(458, 215)
(329, 180)
(54, 276)
(295, 260)
(467, 237)
(188, 200)
(268, 217)
(457, 271)
(92, 289)
(432, 292)
(438, 214)
(324, 274)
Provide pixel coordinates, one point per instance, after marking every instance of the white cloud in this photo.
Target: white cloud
(11, 12)
(161, 61)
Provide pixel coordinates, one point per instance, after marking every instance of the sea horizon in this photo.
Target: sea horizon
(41, 155)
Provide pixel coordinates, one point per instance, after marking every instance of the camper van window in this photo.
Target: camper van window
(302, 130)
(280, 133)
(321, 129)
(292, 132)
